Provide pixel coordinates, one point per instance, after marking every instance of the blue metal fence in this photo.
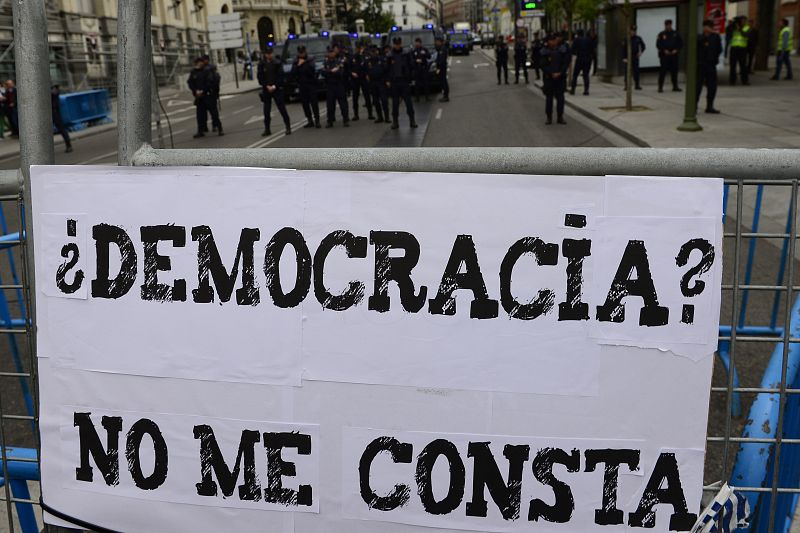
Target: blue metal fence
(87, 108)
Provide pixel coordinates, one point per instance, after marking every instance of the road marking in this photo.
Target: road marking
(438, 113)
(171, 103)
(275, 136)
(227, 97)
(476, 65)
(242, 110)
(98, 158)
(254, 119)
(458, 61)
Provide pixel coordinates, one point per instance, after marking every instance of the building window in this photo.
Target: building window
(86, 7)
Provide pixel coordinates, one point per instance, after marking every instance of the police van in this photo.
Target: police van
(460, 42)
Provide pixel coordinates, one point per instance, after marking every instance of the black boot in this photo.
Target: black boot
(444, 99)
(413, 124)
(195, 136)
(316, 123)
(355, 117)
(561, 119)
(266, 132)
(69, 148)
(288, 129)
(220, 132)
(395, 125)
(310, 124)
(379, 120)
(548, 121)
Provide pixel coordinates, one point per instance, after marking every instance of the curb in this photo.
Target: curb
(58, 141)
(603, 122)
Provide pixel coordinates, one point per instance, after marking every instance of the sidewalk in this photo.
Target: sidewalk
(762, 115)
(9, 147)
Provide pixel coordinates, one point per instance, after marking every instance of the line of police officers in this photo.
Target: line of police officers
(374, 73)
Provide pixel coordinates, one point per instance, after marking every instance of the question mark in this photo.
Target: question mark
(707, 259)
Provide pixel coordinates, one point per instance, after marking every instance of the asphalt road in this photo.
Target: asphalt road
(480, 113)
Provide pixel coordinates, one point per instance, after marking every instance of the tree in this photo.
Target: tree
(375, 19)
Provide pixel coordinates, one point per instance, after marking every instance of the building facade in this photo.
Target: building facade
(410, 13)
(269, 21)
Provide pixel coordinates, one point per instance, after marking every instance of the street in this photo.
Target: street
(480, 113)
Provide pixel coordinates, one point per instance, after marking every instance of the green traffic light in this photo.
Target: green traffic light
(530, 5)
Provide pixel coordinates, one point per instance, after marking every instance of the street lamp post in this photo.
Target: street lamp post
(690, 106)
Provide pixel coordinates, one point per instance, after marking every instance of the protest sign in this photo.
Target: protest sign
(302, 349)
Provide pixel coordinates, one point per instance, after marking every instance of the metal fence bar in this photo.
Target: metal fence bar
(741, 162)
(773, 503)
(133, 77)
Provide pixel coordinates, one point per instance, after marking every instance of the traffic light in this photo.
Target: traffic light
(529, 5)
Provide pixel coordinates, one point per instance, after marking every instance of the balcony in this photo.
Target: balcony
(268, 5)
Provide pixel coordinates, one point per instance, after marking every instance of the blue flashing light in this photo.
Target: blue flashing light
(465, 31)
(428, 26)
(394, 28)
(325, 34)
(354, 35)
(377, 35)
(292, 36)
(270, 44)
(451, 32)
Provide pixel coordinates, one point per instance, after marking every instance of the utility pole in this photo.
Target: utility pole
(690, 106)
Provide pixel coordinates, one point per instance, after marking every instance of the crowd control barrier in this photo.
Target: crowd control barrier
(83, 109)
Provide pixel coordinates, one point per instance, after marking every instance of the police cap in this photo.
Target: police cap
(397, 40)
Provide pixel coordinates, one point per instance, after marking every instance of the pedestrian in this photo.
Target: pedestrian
(752, 45)
(536, 54)
(555, 62)
(637, 47)
(520, 58)
(305, 72)
(583, 50)
(738, 51)
(501, 58)
(271, 79)
(421, 57)
(376, 77)
(729, 35)
(669, 44)
(709, 48)
(441, 68)
(215, 80)
(11, 107)
(55, 102)
(358, 81)
(594, 38)
(197, 84)
(399, 73)
(782, 51)
(333, 69)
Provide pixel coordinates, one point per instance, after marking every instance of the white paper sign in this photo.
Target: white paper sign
(463, 307)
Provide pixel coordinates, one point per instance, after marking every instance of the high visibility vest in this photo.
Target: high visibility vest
(789, 40)
(739, 39)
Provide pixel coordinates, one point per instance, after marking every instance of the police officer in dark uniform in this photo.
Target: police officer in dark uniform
(441, 68)
(304, 71)
(203, 86)
(376, 77)
(520, 57)
(196, 83)
(555, 62)
(399, 78)
(271, 79)
(536, 54)
(334, 71)
(637, 47)
(421, 58)
(358, 81)
(583, 50)
(501, 58)
(709, 47)
(669, 44)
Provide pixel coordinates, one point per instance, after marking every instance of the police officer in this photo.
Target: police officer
(196, 83)
(709, 47)
(376, 77)
(399, 80)
(358, 81)
(738, 48)
(669, 43)
(304, 71)
(536, 54)
(583, 50)
(215, 80)
(555, 62)
(421, 59)
(334, 71)
(637, 47)
(441, 68)
(202, 85)
(501, 58)
(784, 48)
(520, 57)
(271, 79)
